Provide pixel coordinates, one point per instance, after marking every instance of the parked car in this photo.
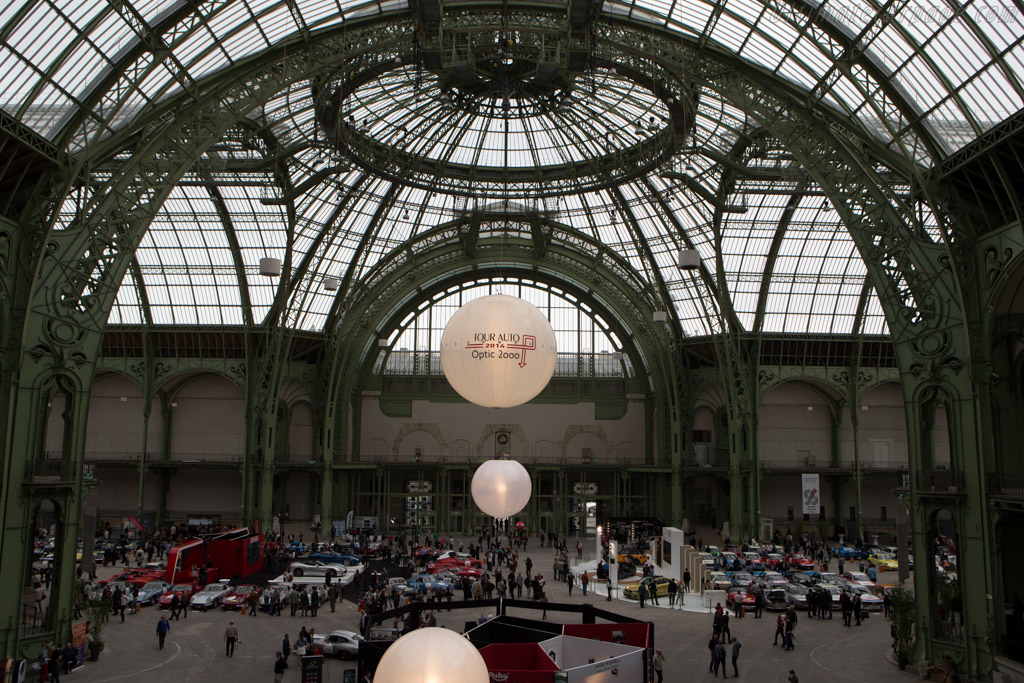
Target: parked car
(830, 578)
(183, 590)
(776, 600)
(775, 561)
(883, 561)
(297, 547)
(720, 581)
(796, 595)
(800, 561)
(210, 596)
(848, 552)
(868, 600)
(239, 596)
(742, 579)
(330, 557)
(656, 585)
(774, 579)
(754, 561)
(458, 558)
(317, 568)
(152, 591)
(421, 582)
(707, 559)
(861, 579)
(344, 644)
(803, 578)
(737, 597)
(400, 585)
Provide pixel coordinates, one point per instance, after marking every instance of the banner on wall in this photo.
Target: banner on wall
(811, 494)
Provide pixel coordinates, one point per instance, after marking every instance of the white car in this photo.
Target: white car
(861, 579)
(317, 568)
(344, 644)
(775, 579)
(210, 596)
(400, 586)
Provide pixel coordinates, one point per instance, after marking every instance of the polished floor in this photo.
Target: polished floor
(825, 650)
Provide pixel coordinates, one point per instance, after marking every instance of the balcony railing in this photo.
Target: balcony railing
(45, 471)
(1005, 485)
(939, 481)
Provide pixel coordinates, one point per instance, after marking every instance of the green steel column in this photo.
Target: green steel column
(166, 418)
(62, 588)
(25, 428)
(140, 508)
(857, 474)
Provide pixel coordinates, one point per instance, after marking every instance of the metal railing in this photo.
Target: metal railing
(1005, 485)
(32, 620)
(939, 481)
(53, 471)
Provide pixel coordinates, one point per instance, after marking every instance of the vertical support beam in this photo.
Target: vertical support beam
(858, 479)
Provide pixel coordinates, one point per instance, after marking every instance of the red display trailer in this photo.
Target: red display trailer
(233, 554)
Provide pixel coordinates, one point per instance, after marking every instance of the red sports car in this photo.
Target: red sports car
(184, 591)
(739, 596)
(798, 561)
(239, 596)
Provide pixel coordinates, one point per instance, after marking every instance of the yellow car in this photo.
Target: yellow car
(653, 583)
(883, 561)
(632, 557)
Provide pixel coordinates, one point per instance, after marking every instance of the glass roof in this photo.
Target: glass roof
(924, 79)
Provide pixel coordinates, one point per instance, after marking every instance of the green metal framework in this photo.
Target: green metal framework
(407, 150)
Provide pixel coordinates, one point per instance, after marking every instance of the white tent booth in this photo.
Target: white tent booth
(582, 660)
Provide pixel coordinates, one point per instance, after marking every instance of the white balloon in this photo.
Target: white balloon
(498, 351)
(431, 655)
(501, 488)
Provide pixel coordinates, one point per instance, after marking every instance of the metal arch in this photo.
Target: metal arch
(236, 250)
(433, 270)
(364, 243)
(323, 240)
(773, 252)
(140, 291)
(853, 54)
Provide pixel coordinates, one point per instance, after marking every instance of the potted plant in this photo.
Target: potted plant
(903, 612)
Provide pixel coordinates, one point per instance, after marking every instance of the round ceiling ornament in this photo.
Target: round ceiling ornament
(498, 351)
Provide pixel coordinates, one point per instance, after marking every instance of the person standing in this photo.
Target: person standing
(711, 648)
(286, 647)
(735, 656)
(609, 588)
(780, 630)
(672, 590)
(659, 664)
(175, 605)
(686, 581)
(720, 659)
(792, 677)
(55, 664)
(642, 593)
(40, 595)
(569, 580)
(162, 627)
(279, 667)
(332, 595)
(125, 600)
(69, 655)
(230, 638)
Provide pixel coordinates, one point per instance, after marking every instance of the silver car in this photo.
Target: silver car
(344, 644)
(210, 596)
(317, 568)
(796, 595)
(152, 592)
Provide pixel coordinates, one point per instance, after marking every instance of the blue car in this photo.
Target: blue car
(849, 552)
(297, 547)
(421, 582)
(336, 558)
